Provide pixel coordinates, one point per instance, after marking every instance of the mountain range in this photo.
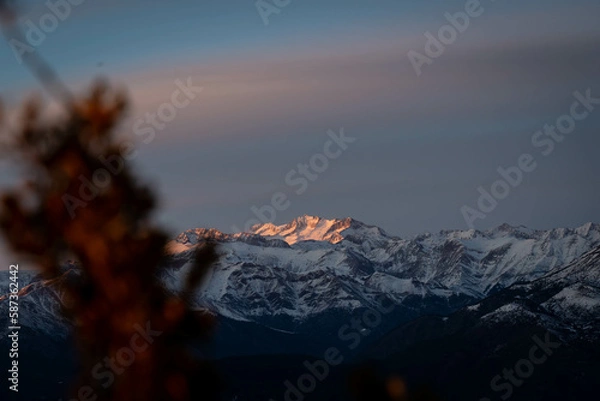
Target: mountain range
(289, 289)
(283, 276)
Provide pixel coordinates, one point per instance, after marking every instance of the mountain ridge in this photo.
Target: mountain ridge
(291, 232)
(289, 276)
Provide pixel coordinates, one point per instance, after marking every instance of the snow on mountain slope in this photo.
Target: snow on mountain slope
(40, 303)
(304, 229)
(564, 302)
(282, 275)
(312, 228)
(312, 265)
(585, 269)
(578, 302)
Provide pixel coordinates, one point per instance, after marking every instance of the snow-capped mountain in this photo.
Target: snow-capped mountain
(565, 302)
(466, 351)
(312, 268)
(40, 302)
(313, 265)
(467, 302)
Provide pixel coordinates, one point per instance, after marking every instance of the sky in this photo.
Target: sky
(420, 145)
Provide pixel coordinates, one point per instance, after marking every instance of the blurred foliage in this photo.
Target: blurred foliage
(116, 245)
(110, 234)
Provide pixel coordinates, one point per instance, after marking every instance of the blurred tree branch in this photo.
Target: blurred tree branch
(113, 239)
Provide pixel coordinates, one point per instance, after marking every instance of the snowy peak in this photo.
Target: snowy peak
(585, 229)
(279, 275)
(192, 237)
(307, 228)
(303, 228)
(274, 269)
(313, 228)
(189, 239)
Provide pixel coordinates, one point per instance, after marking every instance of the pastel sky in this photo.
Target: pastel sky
(423, 144)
